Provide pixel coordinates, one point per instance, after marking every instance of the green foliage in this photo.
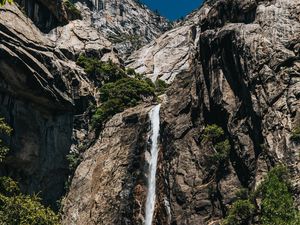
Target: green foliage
(296, 135)
(8, 186)
(117, 96)
(214, 135)
(243, 194)
(222, 151)
(119, 90)
(3, 2)
(19, 209)
(73, 159)
(126, 90)
(4, 129)
(160, 86)
(277, 206)
(277, 200)
(103, 71)
(25, 210)
(107, 110)
(240, 213)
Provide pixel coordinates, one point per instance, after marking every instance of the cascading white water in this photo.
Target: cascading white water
(150, 202)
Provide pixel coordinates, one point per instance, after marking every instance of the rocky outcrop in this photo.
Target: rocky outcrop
(80, 36)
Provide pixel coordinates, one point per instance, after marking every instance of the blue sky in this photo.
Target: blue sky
(173, 9)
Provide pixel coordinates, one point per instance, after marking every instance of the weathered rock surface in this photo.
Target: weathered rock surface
(127, 23)
(80, 36)
(171, 53)
(167, 56)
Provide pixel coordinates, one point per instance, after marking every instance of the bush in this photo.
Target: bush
(276, 197)
(277, 205)
(131, 72)
(117, 96)
(8, 186)
(102, 71)
(296, 135)
(240, 213)
(214, 136)
(126, 90)
(212, 133)
(119, 90)
(24, 209)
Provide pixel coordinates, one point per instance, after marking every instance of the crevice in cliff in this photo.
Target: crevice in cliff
(222, 54)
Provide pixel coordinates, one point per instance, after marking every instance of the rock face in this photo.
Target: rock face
(234, 63)
(167, 56)
(127, 23)
(171, 53)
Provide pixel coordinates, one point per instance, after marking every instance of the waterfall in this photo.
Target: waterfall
(150, 202)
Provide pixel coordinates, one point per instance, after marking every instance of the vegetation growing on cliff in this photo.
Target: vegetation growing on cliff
(102, 71)
(214, 136)
(119, 95)
(160, 86)
(277, 206)
(240, 213)
(15, 207)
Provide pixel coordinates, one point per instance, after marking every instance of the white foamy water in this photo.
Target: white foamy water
(150, 202)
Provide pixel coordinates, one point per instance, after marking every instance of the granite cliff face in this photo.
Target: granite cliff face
(232, 63)
(127, 23)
